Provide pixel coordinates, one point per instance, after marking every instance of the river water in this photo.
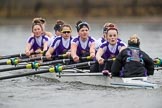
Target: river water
(35, 93)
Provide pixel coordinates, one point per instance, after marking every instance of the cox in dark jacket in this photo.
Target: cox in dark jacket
(132, 61)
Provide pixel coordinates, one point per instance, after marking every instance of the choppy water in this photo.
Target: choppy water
(25, 93)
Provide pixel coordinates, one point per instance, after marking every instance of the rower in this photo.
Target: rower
(132, 61)
(109, 49)
(61, 44)
(102, 39)
(83, 45)
(38, 42)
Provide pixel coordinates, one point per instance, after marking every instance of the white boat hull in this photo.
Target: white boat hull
(99, 79)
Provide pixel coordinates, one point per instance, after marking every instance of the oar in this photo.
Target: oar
(15, 55)
(11, 56)
(15, 61)
(25, 74)
(36, 65)
(57, 68)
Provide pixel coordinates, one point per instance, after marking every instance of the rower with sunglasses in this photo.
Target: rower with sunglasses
(61, 44)
(83, 45)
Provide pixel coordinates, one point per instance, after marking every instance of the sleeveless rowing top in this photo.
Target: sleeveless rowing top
(83, 47)
(109, 50)
(37, 43)
(61, 45)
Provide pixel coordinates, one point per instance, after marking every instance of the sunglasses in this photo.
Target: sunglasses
(66, 32)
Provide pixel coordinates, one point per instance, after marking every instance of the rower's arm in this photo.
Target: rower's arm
(45, 46)
(73, 49)
(27, 49)
(73, 52)
(99, 54)
(92, 50)
(49, 53)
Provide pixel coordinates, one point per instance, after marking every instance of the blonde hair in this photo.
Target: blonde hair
(134, 38)
(66, 25)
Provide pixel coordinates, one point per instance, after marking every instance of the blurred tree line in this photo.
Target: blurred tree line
(79, 8)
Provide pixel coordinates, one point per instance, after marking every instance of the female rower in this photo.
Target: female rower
(38, 42)
(61, 44)
(132, 61)
(43, 22)
(103, 38)
(83, 45)
(109, 49)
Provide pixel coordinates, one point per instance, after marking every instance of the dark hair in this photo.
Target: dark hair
(80, 24)
(57, 26)
(39, 20)
(42, 20)
(105, 30)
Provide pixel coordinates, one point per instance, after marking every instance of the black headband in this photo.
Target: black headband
(81, 25)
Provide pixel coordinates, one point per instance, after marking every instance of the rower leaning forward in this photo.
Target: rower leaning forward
(109, 49)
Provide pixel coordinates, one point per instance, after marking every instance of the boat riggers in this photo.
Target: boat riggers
(36, 65)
